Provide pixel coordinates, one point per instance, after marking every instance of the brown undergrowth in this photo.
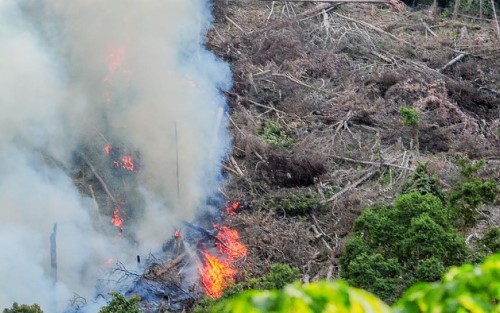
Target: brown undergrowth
(332, 81)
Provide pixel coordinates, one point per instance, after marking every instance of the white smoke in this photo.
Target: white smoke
(59, 89)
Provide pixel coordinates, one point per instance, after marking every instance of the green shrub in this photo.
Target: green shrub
(273, 134)
(424, 183)
(300, 204)
(410, 240)
(470, 193)
(120, 304)
(411, 116)
(23, 308)
(377, 274)
(463, 289)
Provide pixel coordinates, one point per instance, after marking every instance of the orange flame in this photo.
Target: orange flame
(177, 234)
(128, 163)
(116, 62)
(231, 208)
(107, 149)
(116, 219)
(216, 275)
(229, 243)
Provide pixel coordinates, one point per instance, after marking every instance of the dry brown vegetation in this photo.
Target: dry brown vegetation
(334, 78)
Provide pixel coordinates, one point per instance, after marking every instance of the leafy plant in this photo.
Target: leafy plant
(300, 204)
(413, 239)
(463, 289)
(470, 193)
(120, 304)
(311, 298)
(424, 183)
(23, 308)
(273, 134)
(411, 116)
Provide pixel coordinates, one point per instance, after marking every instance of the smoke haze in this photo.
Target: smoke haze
(86, 73)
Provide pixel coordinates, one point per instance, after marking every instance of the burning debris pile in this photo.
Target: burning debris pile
(112, 127)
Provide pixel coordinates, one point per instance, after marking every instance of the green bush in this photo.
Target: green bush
(463, 289)
(315, 297)
(411, 116)
(120, 304)
(470, 193)
(23, 308)
(395, 245)
(424, 183)
(300, 204)
(273, 134)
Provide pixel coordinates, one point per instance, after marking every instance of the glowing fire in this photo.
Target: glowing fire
(216, 275)
(116, 58)
(116, 219)
(128, 163)
(107, 149)
(229, 243)
(231, 208)
(177, 234)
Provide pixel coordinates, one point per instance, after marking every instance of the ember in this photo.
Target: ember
(216, 275)
(107, 149)
(128, 163)
(117, 220)
(229, 243)
(231, 208)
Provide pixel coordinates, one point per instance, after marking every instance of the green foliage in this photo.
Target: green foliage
(278, 276)
(120, 304)
(274, 135)
(470, 193)
(395, 245)
(430, 269)
(424, 183)
(316, 297)
(411, 116)
(23, 308)
(300, 204)
(375, 273)
(463, 289)
(490, 242)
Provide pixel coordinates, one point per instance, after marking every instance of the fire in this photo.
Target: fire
(116, 219)
(216, 275)
(231, 208)
(177, 234)
(128, 163)
(116, 62)
(229, 243)
(107, 149)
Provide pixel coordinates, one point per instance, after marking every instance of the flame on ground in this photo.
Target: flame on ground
(116, 219)
(216, 275)
(229, 243)
(107, 149)
(232, 207)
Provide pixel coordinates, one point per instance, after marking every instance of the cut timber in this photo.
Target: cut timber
(455, 60)
(398, 5)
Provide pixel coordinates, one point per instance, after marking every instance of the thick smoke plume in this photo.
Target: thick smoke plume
(80, 74)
